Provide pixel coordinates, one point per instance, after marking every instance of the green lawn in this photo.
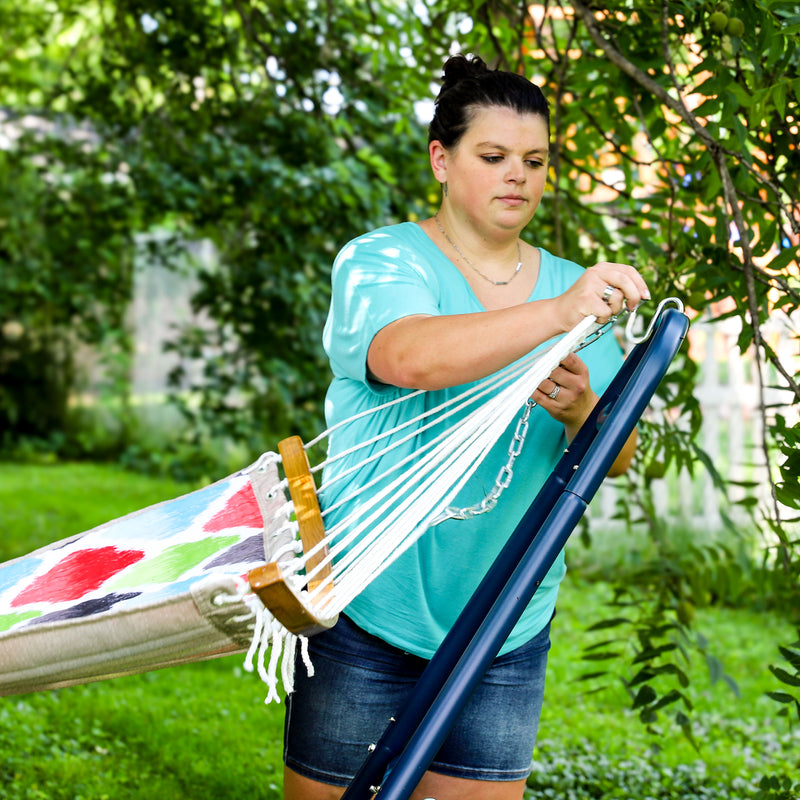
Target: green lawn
(203, 730)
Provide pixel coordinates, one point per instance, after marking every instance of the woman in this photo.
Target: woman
(436, 306)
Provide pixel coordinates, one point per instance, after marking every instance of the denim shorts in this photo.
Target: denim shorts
(360, 681)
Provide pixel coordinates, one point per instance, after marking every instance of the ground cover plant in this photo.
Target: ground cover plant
(203, 730)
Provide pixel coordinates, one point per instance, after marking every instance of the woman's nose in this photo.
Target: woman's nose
(516, 172)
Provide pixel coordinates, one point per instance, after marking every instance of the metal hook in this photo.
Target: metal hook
(629, 334)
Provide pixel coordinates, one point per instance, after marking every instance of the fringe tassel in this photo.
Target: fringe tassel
(268, 632)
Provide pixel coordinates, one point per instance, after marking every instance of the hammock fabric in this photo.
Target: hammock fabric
(158, 587)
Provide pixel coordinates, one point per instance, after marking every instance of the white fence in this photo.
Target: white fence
(161, 305)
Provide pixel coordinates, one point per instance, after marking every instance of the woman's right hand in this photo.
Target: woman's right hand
(602, 291)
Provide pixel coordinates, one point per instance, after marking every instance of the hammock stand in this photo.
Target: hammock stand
(412, 739)
(306, 587)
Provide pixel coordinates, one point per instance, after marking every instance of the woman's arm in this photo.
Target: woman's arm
(431, 352)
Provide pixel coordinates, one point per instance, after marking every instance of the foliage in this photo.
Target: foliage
(276, 131)
(581, 772)
(65, 231)
(279, 130)
(790, 677)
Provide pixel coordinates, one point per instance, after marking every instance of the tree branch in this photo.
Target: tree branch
(642, 78)
(718, 155)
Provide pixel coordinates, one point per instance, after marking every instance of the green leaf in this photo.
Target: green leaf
(609, 623)
(590, 676)
(781, 697)
(787, 256)
(785, 677)
(644, 696)
(792, 656)
(607, 656)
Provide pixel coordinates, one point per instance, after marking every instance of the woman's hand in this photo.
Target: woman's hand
(602, 291)
(568, 397)
(567, 394)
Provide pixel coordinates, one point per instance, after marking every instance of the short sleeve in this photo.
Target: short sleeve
(376, 279)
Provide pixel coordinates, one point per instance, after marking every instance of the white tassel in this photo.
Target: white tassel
(267, 631)
(270, 676)
(258, 629)
(306, 657)
(287, 662)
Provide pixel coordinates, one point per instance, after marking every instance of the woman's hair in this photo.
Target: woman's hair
(468, 85)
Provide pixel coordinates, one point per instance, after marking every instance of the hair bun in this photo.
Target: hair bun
(469, 84)
(458, 68)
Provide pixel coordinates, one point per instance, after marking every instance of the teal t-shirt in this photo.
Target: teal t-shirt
(380, 277)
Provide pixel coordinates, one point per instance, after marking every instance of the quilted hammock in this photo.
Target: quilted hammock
(161, 586)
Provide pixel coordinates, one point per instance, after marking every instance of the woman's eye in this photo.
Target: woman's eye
(535, 164)
(492, 159)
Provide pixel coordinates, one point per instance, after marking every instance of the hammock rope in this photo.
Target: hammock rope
(404, 501)
(375, 536)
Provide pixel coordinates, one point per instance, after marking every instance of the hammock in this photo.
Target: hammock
(155, 588)
(245, 564)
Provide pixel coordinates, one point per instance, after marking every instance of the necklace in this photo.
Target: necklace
(469, 263)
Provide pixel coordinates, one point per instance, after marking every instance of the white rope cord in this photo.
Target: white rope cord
(415, 457)
(471, 395)
(435, 488)
(270, 635)
(447, 409)
(422, 467)
(387, 524)
(367, 412)
(446, 448)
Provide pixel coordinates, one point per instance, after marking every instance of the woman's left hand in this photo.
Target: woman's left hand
(567, 397)
(567, 394)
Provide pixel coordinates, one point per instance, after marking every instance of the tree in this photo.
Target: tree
(66, 225)
(277, 131)
(676, 144)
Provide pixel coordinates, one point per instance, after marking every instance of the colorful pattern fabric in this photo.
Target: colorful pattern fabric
(156, 558)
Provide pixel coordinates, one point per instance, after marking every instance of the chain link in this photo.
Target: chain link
(504, 476)
(506, 473)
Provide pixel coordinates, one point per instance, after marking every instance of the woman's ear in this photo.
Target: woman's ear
(438, 154)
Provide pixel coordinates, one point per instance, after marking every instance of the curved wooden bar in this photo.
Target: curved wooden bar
(268, 581)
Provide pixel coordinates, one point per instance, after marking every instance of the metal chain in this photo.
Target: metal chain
(506, 473)
(504, 476)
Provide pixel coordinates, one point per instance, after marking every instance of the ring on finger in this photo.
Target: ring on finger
(554, 394)
(607, 292)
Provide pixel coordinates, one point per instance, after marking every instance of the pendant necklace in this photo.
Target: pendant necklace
(470, 264)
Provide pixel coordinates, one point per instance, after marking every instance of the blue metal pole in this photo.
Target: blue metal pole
(479, 633)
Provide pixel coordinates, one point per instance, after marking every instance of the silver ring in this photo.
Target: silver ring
(552, 395)
(607, 292)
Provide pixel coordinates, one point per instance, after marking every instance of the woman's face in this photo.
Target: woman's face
(496, 173)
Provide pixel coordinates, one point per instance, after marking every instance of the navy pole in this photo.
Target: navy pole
(482, 628)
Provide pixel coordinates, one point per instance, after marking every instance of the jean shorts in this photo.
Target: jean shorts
(360, 682)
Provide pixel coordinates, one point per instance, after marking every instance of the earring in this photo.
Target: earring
(444, 188)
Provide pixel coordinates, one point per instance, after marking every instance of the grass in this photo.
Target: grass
(202, 730)
(739, 738)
